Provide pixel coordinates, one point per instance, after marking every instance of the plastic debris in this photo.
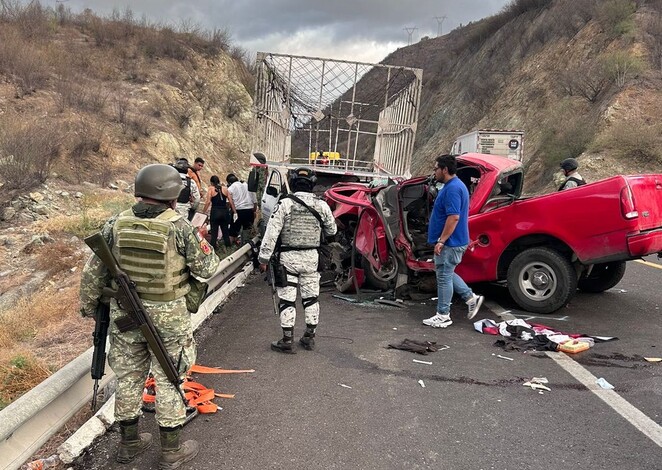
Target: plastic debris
(604, 384)
(503, 357)
(40, 464)
(653, 359)
(540, 380)
(422, 362)
(344, 386)
(421, 383)
(346, 299)
(536, 386)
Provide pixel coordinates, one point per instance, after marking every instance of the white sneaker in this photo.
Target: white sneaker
(438, 321)
(474, 304)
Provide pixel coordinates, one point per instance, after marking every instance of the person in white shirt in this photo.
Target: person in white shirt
(244, 204)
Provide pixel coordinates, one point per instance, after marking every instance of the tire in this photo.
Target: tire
(382, 279)
(541, 280)
(603, 276)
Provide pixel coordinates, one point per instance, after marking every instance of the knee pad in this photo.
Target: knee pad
(284, 304)
(310, 301)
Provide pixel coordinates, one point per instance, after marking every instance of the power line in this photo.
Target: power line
(440, 22)
(410, 32)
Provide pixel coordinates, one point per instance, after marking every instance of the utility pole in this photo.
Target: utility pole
(410, 32)
(440, 22)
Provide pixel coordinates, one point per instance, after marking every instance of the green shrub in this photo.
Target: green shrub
(621, 66)
(27, 152)
(615, 16)
(568, 131)
(632, 139)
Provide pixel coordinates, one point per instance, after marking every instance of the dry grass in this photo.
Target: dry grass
(95, 210)
(18, 374)
(39, 335)
(28, 151)
(57, 257)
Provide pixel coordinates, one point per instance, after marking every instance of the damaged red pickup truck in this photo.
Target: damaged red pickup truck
(543, 247)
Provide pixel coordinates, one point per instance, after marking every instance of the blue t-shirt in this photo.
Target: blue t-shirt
(453, 199)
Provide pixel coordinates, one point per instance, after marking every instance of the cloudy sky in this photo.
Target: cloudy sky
(361, 30)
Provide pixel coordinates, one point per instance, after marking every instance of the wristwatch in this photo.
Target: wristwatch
(439, 241)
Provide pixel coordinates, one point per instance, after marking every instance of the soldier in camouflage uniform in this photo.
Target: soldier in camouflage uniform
(297, 230)
(159, 250)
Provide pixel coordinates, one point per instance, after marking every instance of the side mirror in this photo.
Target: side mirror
(272, 191)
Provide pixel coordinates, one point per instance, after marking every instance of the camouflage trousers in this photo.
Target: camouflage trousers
(302, 275)
(131, 359)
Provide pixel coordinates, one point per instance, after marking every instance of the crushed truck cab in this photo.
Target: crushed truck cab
(543, 247)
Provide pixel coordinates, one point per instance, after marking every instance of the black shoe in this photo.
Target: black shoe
(283, 346)
(307, 342)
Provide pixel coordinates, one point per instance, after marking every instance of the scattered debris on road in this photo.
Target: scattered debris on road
(422, 362)
(604, 384)
(536, 383)
(503, 357)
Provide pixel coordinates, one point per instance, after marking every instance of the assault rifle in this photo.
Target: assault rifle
(128, 299)
(272, 282)
(102, 318)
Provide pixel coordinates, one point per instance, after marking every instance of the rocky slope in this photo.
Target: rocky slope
(90, 100)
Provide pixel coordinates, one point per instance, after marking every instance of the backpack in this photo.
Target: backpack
(185, 194)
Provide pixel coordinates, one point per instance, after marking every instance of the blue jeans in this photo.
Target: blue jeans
(447, 281)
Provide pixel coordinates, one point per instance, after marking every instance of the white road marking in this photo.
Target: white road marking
(634, 416)
(648, 263)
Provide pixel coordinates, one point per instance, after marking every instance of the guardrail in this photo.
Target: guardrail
(28, 422)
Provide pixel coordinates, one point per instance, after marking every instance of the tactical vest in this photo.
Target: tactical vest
(572, 178)
(301, 230)
(146, 250)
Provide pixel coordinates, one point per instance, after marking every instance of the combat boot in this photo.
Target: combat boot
(285, 345)
(174, 454)
(131, 443)
(308, 338)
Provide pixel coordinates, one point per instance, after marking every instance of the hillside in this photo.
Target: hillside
(581, 78)
(85, 101)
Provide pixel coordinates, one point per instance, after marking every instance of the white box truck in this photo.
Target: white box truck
(506, 143)
(349, 121)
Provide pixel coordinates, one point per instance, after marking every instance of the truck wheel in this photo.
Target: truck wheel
(540, 280)
(380, 279)
(603, 276)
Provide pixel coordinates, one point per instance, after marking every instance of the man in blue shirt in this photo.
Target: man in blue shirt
(449, 232)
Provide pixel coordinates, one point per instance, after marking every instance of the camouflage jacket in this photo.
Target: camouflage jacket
(200, 259)
(282, 215)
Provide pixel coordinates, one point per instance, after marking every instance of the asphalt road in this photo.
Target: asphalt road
(298, 411)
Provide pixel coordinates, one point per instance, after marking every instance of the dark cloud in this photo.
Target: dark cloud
(324, 26)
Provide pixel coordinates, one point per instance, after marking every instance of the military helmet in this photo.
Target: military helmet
(302, 175)
(182, 165)
(569, 164)
(159, 182)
